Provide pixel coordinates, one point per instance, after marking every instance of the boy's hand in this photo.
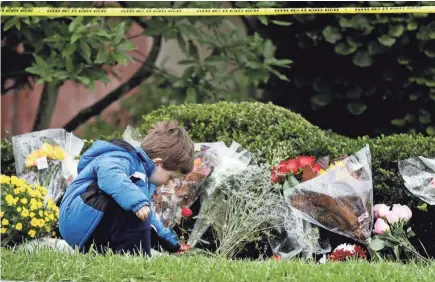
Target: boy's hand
(143, 213)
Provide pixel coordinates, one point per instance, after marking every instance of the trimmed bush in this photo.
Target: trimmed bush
(275, 133)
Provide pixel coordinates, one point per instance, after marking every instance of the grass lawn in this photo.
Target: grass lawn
(47, 265)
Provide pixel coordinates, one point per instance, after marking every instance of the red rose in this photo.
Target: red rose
(293, 165)
(305, 160)
(186, 212)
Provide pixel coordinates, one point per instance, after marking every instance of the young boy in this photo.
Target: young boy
(109, 202)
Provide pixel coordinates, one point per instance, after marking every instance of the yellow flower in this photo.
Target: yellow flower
(14, 180)
(25, 213)
(4, 179)
(33, 201)
(17, 181)
(2, 214)
(18, 226)
(40, 204)
(59, 153)
(31, 159)
(34, 222)
(53, 233)
(16, 200)
(32, 214)
(3, 230)
(32, 233)
(5, 221)
(16, 191)
(322, 171)
(45, 213)
(50, 202)
(9, 199)
(41, 223)
(49, 149)
(41, 213)
(43, 190)
(23, 201)
(51, 216)
(19, 209)
(33, 207)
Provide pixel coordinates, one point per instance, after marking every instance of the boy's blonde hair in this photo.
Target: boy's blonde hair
(171, 143)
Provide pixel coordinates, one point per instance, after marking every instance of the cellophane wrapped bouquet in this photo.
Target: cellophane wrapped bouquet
(339, 200)
(419, 176)
(47, 158)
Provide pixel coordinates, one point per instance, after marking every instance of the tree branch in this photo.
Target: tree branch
(141, 74)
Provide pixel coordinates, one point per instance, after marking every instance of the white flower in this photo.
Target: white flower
(346, 247)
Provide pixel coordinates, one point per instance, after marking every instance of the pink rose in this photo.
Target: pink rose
(392, 217)
(381, 226)
(380, 210)
(402, 212)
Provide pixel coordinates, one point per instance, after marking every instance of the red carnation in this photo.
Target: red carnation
(288, 166)
(186, 212)
(316, 167)
(275, 175)
(305, 160)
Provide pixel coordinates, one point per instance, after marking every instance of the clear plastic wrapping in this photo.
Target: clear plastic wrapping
(419, 176)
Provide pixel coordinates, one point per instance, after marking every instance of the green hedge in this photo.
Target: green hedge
(275, 133)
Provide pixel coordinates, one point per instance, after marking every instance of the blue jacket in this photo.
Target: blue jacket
(108, 168)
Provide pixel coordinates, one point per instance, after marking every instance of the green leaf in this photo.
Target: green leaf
(356, 107)
(422, 207)
(126, 46)
(10, 23)
(362, 59)
(35, 70)
(86, 49)
(387, 40)
(354, 92)
(430, 54)
(263, 20)
(193, 50)
(75, 37)
(39, 61)
(398, 122)
(279, 75)
(170, 33)
(332, 34)
(191, 95)
(268, 50)
(377, 244)
(344, 48)
(396, 30)
(321, 99)
(121, 58)
(430, 130)
(120, 31)
(425, 119)
(375, 48)
(403, 60)
(102, 57)
(69, 64)
(69, 50)
(292, 181)
(75, 23)
(413, 97)
(187, 62)
(411, 26)
(281, 23)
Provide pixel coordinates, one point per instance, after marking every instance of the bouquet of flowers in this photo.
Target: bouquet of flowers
(419, 176)
(23, 214)
(170, 200)
(392, 237)
(339, 200)
(344, 252)
(225, 162)
(297, 236)
(46, 158)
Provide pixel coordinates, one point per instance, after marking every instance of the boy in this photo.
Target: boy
(109, 202)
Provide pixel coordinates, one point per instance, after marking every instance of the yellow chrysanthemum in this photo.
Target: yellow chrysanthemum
(9, 199)
(2, 214)
(47, 228)
(34, 222)
(45, 213)
(51, 216)
(16, 191)
(32, 233)
(41, 213)
(23, 201)
(41, 223)
(19, 209)
(32, 214)
(46, 219)
(16, 200)
(33, 201)
(25, 213)
(17, 181)
(18, 226)
(33, 207)
(53, 233)
(40, 204)
(322, 171)
(3, 230)
(5, 221)
(4, 179)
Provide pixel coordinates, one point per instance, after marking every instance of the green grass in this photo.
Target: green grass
(45, 265)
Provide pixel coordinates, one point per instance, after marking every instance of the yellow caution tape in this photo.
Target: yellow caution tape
(129, 12)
